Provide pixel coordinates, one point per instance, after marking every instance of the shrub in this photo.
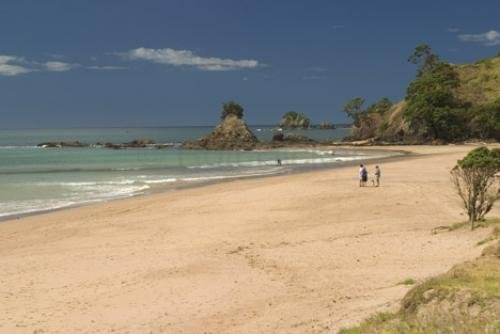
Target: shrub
(474, 180)
(231, 108)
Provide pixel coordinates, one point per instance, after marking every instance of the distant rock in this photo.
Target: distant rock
(326, 125)
(231, 134)
(138, 143)
(278, 136)
(295, 139)
(59, 144)
(294, 120)
(281, 140)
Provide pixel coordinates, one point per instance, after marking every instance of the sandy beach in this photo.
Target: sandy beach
(302, 253)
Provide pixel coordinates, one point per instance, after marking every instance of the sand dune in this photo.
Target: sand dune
(303, 253)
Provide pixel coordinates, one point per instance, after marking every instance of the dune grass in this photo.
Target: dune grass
(464, 300)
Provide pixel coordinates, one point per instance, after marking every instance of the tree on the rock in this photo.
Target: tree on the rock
(231, 108)
(474, 179)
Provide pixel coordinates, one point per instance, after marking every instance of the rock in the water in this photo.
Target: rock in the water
(139, 143)
(54, 144)
(231, 134)
(278, 136)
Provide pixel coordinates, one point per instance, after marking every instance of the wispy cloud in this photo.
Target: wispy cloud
(14, 65)
(105, 68)
(338, 26)
(188, 58)
(11, 66)
(453, 29)
(59, 66)
(489, 38)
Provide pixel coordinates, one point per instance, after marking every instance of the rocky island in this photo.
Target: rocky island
(231, 134)
(234, 134)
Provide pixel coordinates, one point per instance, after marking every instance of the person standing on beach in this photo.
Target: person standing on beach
(363, 175)
(377, 174)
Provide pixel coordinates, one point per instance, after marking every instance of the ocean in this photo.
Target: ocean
(36, 179)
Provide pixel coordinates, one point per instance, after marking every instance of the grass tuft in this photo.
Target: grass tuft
(408, 281)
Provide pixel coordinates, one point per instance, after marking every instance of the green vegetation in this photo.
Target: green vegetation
(294, 119)
(354, 109)
(445, 103)
(380, 107)
(474, 180)
(408, 281)
(231, 108)
(464, 300)
(485, 121)
(494, 236)
(433, 111)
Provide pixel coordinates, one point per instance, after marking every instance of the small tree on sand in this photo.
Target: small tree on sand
(474, 179)
(231, 108)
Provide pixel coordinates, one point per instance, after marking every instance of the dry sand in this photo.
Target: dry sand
(304, 253)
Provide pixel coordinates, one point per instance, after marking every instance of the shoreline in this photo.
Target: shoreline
(181, 185)
(300, 253)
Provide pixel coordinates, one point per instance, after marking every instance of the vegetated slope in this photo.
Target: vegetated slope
(479, 85)
(464, 300)
(479, 82)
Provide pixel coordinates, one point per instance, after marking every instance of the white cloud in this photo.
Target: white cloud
(13, 65)
(105, 68)
(453, 29)
(59, 66)
(489, 38)
(188, 58)
(9, 66)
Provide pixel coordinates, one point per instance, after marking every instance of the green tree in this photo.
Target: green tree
(431, 104)
(485, 121)
(474, 179)
(425, 58)
(354, 109)
(231, 108)
(380, 107)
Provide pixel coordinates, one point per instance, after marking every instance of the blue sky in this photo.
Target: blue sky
(167, 63)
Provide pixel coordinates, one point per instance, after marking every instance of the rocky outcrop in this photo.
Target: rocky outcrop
(326, 126)
(59, 144)
(294, 120)
(231, 134)
(279, 140)
(138, 143)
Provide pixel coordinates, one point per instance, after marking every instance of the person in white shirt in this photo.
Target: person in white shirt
(377, 175)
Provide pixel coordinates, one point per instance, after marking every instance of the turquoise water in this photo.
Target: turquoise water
(35, 179)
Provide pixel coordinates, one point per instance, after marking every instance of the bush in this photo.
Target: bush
(474, 179)
(485, 121)
(231, 108)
